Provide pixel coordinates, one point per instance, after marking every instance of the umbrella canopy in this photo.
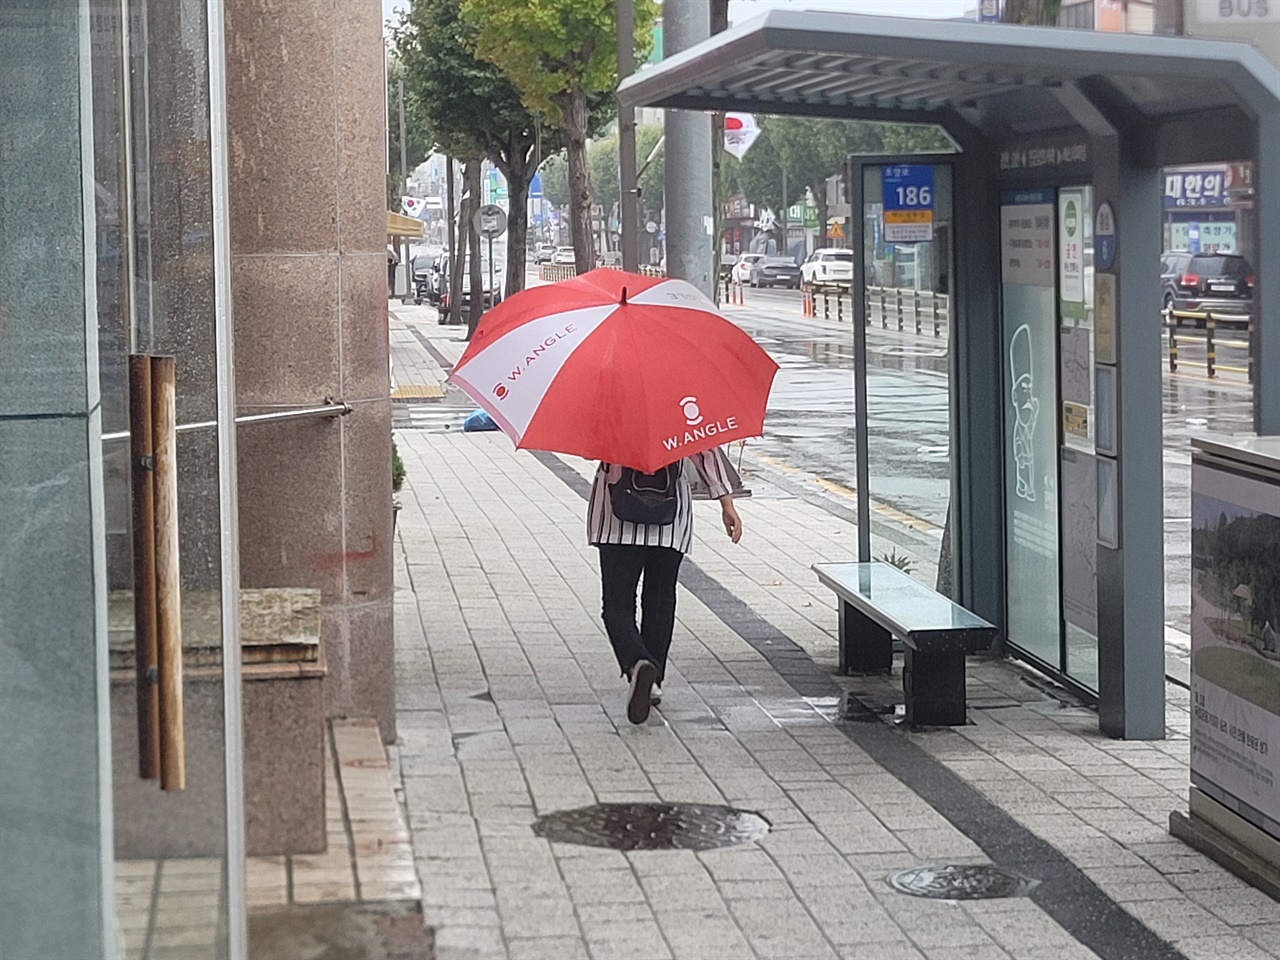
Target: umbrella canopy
(637, 371)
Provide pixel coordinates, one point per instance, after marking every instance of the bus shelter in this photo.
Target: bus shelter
(1052, 213)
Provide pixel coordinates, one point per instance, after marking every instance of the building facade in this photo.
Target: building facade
(200, 180)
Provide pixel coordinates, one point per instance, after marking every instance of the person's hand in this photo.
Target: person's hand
(732, 522)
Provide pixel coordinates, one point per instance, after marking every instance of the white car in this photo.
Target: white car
(563, 256)
(742, 269)
(825, 266)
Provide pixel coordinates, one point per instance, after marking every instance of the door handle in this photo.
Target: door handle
(157, 570)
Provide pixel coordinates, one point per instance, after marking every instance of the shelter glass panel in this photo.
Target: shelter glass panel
(907, 230)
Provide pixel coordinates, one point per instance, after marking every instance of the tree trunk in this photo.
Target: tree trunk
(476, 304)
(819, 192)
(573, 124)
(1042, 13)
(517, 174)
(460, 248)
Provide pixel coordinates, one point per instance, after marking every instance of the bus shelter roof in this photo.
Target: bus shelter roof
(1000, 79)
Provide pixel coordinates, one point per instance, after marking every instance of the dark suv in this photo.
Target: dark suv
(1207, 283)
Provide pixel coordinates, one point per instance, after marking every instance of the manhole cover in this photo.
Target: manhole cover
(963, 882)
(653, 826)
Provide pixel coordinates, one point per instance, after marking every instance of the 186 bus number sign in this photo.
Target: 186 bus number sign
(908, 202)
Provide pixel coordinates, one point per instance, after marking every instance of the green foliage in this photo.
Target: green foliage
(813, 150)
(418, 144)
(555, 180)
(550, 48)
(1042, 13)
(895, 559)
(397, 469)
(602, 169)
(650, 182)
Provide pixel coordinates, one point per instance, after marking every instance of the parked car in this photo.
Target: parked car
(492, 296)
(829, 265)
(776, 272)
(742, 269)
(1207, 282)
(563, 256)
(426, 288)
(544, 252)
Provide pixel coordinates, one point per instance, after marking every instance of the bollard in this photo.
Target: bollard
(1173, 348)
(1210, 351)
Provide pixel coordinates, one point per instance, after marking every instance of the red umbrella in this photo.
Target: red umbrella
(637, 371)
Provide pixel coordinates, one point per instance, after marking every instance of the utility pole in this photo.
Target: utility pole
(687, 170)
(628, 217)
(404, 185)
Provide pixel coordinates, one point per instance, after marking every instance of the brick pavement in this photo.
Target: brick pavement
(510, 707)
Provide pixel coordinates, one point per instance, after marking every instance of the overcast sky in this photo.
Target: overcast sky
(741, 10)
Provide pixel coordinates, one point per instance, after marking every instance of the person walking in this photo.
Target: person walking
(632, 550)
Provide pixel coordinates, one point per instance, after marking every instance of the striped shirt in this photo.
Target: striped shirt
(604, 527)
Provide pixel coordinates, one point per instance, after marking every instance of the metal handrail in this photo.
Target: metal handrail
(329, 409)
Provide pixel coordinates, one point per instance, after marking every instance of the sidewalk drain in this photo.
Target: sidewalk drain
(653, 826)
(962, 882)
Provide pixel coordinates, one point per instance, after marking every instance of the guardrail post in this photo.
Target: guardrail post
(898, 307)
(1173, 346)
(915, 309)
(937, 323)
(1210, 349)
(826, 305)
(840, 307)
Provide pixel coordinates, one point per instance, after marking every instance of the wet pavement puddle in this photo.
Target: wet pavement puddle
(653, 826)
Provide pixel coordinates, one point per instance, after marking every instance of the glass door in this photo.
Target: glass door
(175, 836)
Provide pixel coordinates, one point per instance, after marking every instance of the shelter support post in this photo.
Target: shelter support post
(977, 425)
(1130, 575)
(1266, 331)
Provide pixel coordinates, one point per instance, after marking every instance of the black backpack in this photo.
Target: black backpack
(647, 498)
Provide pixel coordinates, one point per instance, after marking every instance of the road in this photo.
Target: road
(810, 424)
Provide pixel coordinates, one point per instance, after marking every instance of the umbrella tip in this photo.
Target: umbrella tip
(624, 296)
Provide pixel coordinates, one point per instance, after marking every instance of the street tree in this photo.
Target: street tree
(555, 181)
(468, 108)
(417, 143)
(558, 53)
(1040, 13)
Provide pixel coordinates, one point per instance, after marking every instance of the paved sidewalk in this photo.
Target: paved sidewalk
(510, 708)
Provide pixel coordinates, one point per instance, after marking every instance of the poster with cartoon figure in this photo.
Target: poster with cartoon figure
(1029, 271)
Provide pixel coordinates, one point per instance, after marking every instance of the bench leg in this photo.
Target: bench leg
(934, 687)
(865, 646)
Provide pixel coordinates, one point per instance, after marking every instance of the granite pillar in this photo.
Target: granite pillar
(306, 127)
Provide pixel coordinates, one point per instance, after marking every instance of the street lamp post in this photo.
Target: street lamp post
(404, 185)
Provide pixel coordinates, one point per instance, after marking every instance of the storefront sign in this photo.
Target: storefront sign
(1071, 247)
(1075, 419)
(1104, 317)
(1243, 12)
(1197, 188)
(908, 202)
(1104, 237)
(1026, 238)
(1235, 661)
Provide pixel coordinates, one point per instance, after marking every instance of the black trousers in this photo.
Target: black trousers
(621, 567)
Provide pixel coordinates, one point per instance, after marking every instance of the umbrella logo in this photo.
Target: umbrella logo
(692, 413)
(500, 391)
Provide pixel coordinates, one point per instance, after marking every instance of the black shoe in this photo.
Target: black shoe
(643, 676)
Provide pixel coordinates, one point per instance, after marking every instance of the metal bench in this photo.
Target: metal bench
(880, 603)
